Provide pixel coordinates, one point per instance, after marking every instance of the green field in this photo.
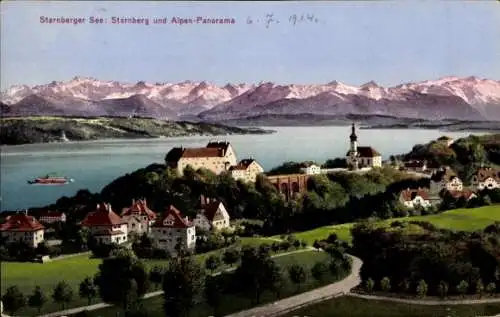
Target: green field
(27, 275)
(467, 219)
(233, 303)
(358, 307)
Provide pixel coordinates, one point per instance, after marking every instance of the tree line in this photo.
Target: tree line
(420, 258)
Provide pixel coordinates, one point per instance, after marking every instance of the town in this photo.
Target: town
(232, 222)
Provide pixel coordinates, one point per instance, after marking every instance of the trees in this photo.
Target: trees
(256, 273)
(422, 288)
(462, 287)
(443, 289)
(88, 289)
(212, 262)
(369, 285)
(297, 275)
(213, 292)
(479, 288)
(182, 286)
(319, 271)
(491, 288)
(385, 284)
(37, 299)
(122, 279)
(62, 293)
(13, 300)
(231, 256)
(156, 276)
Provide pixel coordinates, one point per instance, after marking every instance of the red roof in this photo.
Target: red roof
(410, 194)
(202, 152)
(21, 222)
(139, 208)
(108, 232)
(103, 216)
(483, 174)
(172, 218)
(467, 194)
(366, 151)
(242, 165)
(210, 209)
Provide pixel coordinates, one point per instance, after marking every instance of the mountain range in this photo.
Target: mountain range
(468, 98)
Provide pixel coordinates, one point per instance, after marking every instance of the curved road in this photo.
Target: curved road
(286, 305)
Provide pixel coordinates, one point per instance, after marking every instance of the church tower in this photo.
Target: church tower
(353, 151)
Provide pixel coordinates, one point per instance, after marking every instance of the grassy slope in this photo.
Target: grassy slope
(233, 303)
(357, 307)
(458, 219)
(72, 270)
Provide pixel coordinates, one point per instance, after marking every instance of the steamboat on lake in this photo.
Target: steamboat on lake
(50, 179)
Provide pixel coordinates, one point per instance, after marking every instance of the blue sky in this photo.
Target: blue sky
(354, 42)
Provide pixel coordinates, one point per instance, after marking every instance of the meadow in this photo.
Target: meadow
(233, 302)
(348, 306)
(27, 275)
(465, 219)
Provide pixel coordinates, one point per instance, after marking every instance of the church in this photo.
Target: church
(361, 156)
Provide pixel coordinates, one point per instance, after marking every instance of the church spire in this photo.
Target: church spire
(353, 136)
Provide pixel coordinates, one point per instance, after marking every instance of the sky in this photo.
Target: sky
(390, 42)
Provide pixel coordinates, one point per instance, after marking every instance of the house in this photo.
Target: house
(486, 178)
(246, 170)
(412, 198)
(172, 228)
(310, 169)
(212, 215)
(361, 156)
(216, 156)
(415, 166)
(50, 216)
(139, 217)
(22, 228)
(467, 194)
(105, 226)
(446, 179)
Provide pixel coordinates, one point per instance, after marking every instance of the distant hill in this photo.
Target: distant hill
(51, 129)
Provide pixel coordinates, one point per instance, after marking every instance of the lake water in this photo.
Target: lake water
(94, 164)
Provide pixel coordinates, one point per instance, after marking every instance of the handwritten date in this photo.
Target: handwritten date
(293, 19)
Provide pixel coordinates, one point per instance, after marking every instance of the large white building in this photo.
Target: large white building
(361, 156)
(105, 226)
(139, 217)
(22, 228)
(246, 170)
(172, 228)
(486, 178)
(216, 157)
(212, 215)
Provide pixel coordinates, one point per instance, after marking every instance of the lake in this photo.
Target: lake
(93, 164)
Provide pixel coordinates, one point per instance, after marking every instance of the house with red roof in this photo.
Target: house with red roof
(212, 215)
(139, 217)
(446, 179)
(22, 228)
(486, 178)
(413, 198)
(172, 228)
(52, 216)
(216, 157)
(466, 194)
(246, 170)
(105, 225)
